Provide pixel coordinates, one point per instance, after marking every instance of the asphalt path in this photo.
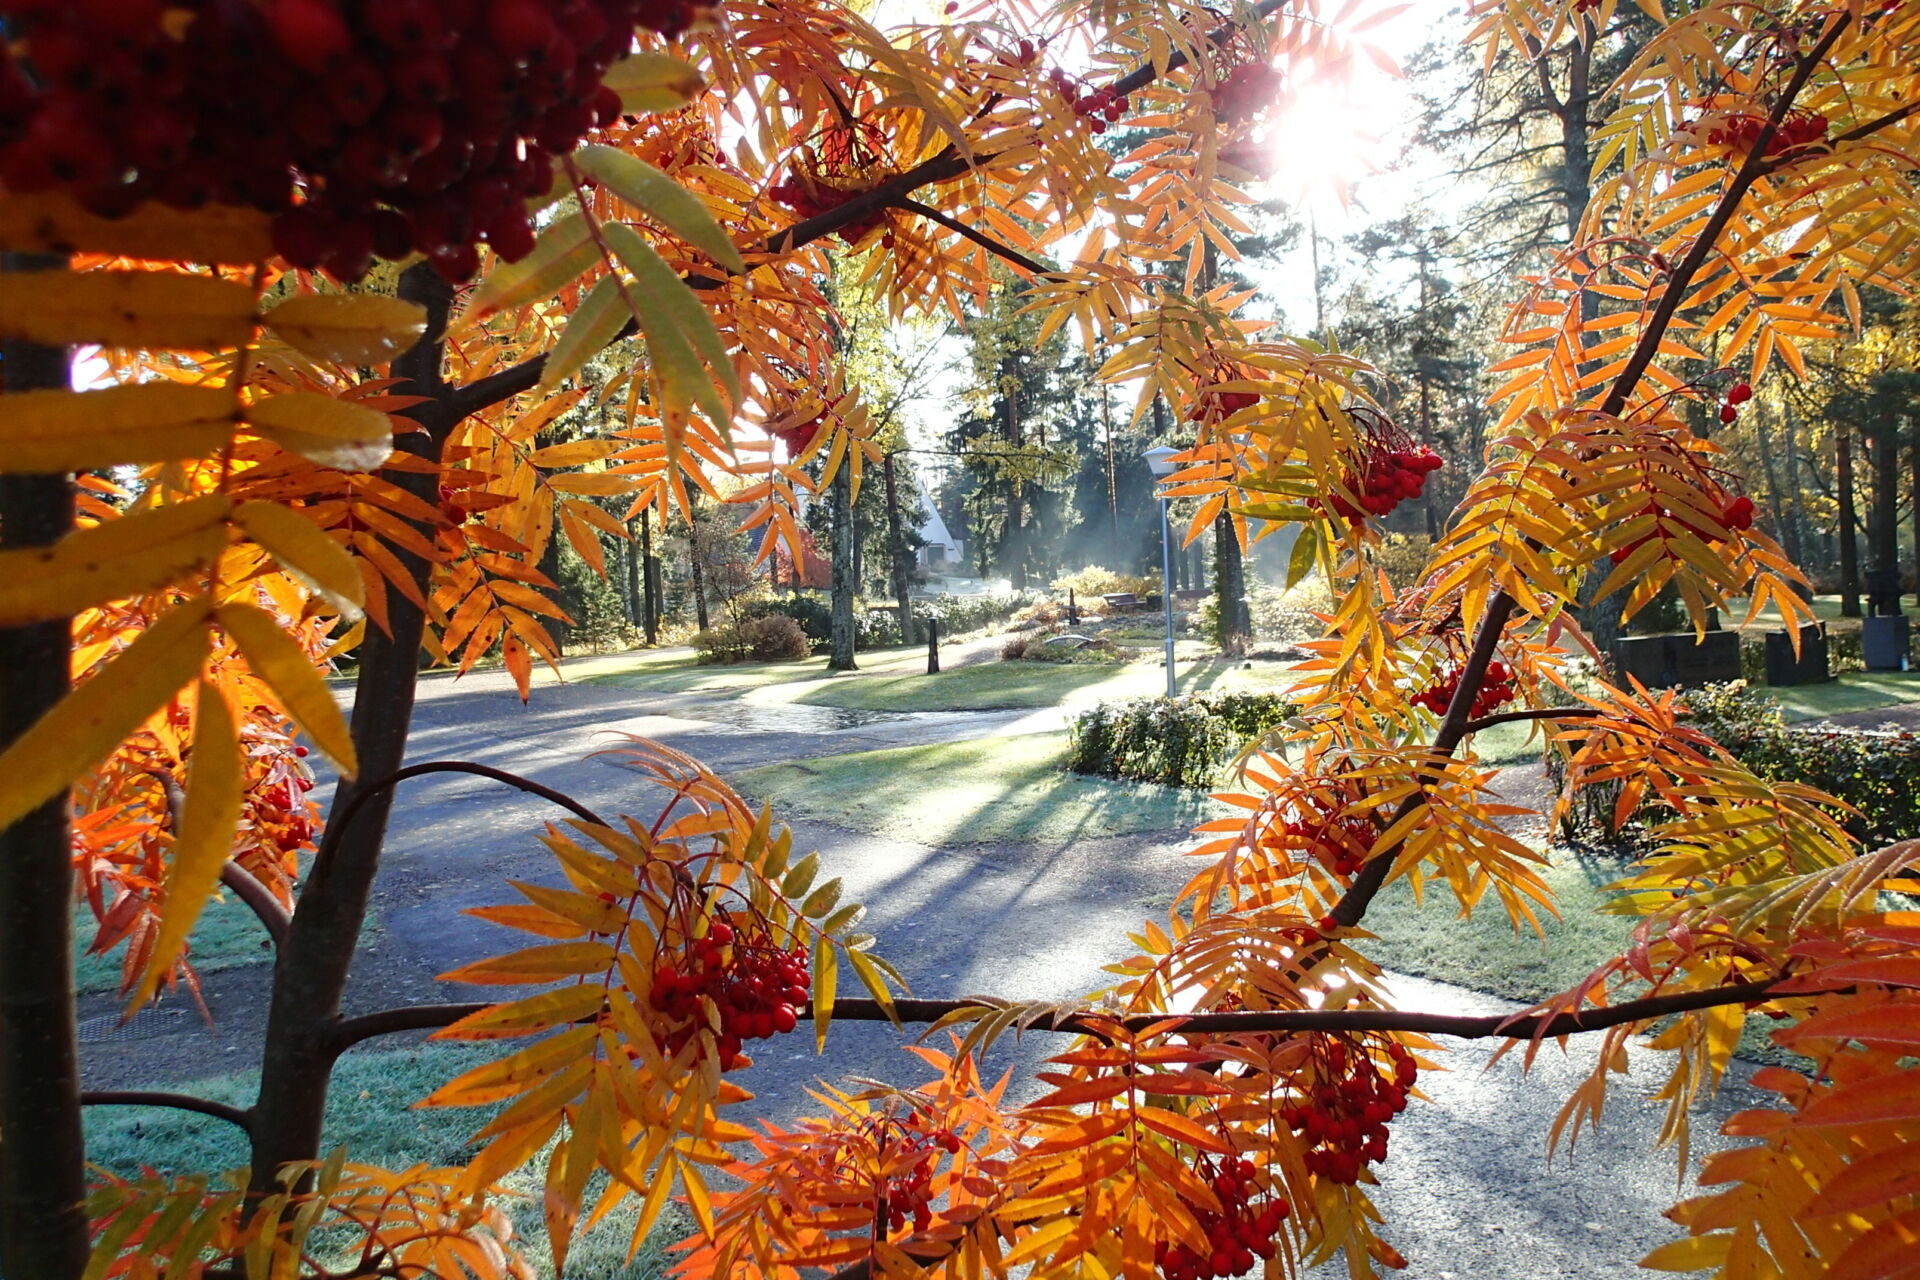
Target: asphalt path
(1467, 1189)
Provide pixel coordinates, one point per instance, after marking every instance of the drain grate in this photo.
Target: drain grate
(157, 1019)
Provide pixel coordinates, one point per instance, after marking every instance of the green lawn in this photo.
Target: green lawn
(227, 936)
(984, 790)
(1853, 691)
(369, 1110)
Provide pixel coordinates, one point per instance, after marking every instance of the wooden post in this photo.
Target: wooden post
(933, 644)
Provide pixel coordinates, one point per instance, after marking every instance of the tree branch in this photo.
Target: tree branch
(247, 887)
(1462, 1027)
(338, 823)
(175, 1101)
(1031, 265)
(894, 192)
(1535, 713)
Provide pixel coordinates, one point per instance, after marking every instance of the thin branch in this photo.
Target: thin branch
(338, 823)
(1535, 713)
(914, 1012)
(175, 1101)
(272, 914)
(1033, 266)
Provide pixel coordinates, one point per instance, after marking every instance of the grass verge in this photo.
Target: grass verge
(1853, 691)
(369, 1111)
(993, 686)
(983, 790)
(227, 936)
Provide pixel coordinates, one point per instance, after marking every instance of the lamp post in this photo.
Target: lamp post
(1160, 462)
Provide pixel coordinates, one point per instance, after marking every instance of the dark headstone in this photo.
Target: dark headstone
(1883, 593)
(1883, 642)
(1809, 668)
(1664, 661)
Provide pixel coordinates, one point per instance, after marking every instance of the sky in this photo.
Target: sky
(1348, 128)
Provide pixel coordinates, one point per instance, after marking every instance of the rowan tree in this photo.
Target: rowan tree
(289, 459)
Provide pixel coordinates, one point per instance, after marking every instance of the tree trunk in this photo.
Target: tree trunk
(1913, 479)
(1883, 522)
(898, 558)
(1230, 586)
(1849, 544)
(43, 1228)
(310, 971)
(842, 633)
(649, 579)
(695, 563)
(630, 561)
(1113, 490)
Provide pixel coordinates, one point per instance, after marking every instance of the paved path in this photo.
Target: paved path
(1468, 1190)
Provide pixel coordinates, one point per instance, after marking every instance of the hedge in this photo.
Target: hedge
(1182, 742)
(1877, 771)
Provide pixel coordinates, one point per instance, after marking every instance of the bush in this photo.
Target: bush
(1279, 617)
(1404, 557)
(1877, 771)
(770, 637)
(1094, 581)
(1182, 742)
(958, 614)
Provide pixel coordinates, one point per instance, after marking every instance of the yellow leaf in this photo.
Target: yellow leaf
(279, 660)
(594, 482)
(88, 723)
(216, 785)
(524, 1017)
(653, 82)
(53, 222)
(352, 328)
(575, 452)
(56, 223)
(157, 310)
(1696, 1253)
(302, 547)
(89, 430)
(661, 199)
(332, 432)
(111, 561)
(536, 964)
(562, 252)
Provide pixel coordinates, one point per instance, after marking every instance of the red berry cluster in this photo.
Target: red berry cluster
(808, 198)
(1390, 477)
(911, 1147)
(757, 988)
(1244, 91)
(1103, 106)
(1215, 405)
(1344, 1119)
(1730, 407)
(1741, 131)
(1246, 1227)
(408, 124)
(1340, 844)
(1496, 690)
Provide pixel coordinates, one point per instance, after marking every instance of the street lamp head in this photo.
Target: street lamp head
(1160, 461)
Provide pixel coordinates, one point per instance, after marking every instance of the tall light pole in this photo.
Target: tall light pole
(1160, 462)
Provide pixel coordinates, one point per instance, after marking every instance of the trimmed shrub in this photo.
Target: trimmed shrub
(1877, 771)
(771, 637)
(1182, 743)
(1094, 581)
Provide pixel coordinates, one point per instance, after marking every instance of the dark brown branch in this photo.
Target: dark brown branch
(1534, 713)
(247, 887)
(338, 823)
(1872, 127)
(1033, 266)
(1476, 1027)
(174, 1101)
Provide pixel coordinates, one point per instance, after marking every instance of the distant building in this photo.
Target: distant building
(942, 548)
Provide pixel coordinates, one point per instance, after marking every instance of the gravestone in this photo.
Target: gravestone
(1810, 667)
(1668, 660)
(1883, 642)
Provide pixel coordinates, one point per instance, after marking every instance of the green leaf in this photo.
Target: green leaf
(1300, 563)
(653, 82)
(675, 323)
(660, 198)
(800, 879)
(821, 900)
(563, 251)
(593, 325)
